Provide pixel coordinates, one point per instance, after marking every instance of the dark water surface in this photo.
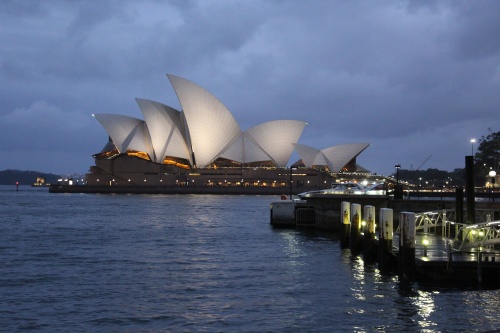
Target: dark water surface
(199, 263)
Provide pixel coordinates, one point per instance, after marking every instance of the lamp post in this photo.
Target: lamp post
(472, 146)
(291, 181)
(396, 191)
(492, 174)
(419, 181)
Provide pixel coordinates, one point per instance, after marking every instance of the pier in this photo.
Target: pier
(449, 252)
(430, 243)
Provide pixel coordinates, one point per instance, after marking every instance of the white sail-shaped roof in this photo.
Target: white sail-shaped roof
(245, 150)
(307, 154)
(211, 126)
(166, 130)
(252, 151)
(338, 156)
(127, 133)
(335, 157)
(235, 150)
(276, 139)
(205, 130)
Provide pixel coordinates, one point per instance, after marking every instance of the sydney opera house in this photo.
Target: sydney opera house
(203, 146)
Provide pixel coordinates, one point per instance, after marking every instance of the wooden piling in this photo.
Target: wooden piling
(459, 207)
(345, 224)
(369, 253)
(479, 267)
(469, 186)
(385, 240)
(355, 240)
(407, 234)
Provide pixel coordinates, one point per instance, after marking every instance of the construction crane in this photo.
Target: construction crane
(421, 164)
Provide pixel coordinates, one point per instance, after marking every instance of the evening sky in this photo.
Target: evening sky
(412, 78)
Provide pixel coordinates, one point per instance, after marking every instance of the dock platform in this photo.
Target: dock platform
(437, 260)
(434, 247)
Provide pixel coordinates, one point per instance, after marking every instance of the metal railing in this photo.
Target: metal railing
(433, 220)
(480, 235)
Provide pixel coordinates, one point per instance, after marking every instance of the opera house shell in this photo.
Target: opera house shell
(203, 145)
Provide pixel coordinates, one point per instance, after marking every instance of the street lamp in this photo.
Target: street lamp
(472, 145)
(418, 191)
(396, 192)
(291, 171)
(492, 174)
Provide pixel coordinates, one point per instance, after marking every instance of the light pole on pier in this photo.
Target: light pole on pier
(419, 181)
(291, 181)
(472, 141)
(396, 191)
(492, 174)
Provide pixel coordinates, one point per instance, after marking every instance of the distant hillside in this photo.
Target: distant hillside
(10, 177)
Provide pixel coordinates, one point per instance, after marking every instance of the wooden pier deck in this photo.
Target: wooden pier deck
(437, 261)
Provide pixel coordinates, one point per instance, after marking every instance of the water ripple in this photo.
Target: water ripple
(138, 263)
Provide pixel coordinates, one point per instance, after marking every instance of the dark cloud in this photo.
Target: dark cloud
(414, 78)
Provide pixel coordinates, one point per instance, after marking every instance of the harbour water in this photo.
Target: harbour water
(200, 263)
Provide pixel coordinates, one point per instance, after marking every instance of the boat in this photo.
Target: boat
(349, 188)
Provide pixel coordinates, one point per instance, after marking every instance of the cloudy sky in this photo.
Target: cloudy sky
(412, 78)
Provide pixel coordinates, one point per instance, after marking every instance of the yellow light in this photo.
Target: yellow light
(363, 223)
(425, 242)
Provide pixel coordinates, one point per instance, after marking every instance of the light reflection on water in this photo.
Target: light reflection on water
(200, 263)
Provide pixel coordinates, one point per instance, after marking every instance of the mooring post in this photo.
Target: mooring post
(355, 241)
(385, 239)
(407, 237)
(345, 223)
(449, 252)
(469, 186)
(479, 267)
(444, 224)
(369, 254)
(459, 206)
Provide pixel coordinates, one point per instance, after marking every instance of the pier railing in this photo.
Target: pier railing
(430, 220)
(465, 236)
(481, 235)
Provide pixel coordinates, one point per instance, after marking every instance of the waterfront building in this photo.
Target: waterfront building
(203, 145)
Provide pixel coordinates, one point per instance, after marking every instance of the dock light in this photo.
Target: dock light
(481, 233)
(472, 145)
(492, 174)
(425, 242)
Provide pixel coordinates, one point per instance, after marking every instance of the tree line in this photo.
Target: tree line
(11, 177)
(486, 158)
